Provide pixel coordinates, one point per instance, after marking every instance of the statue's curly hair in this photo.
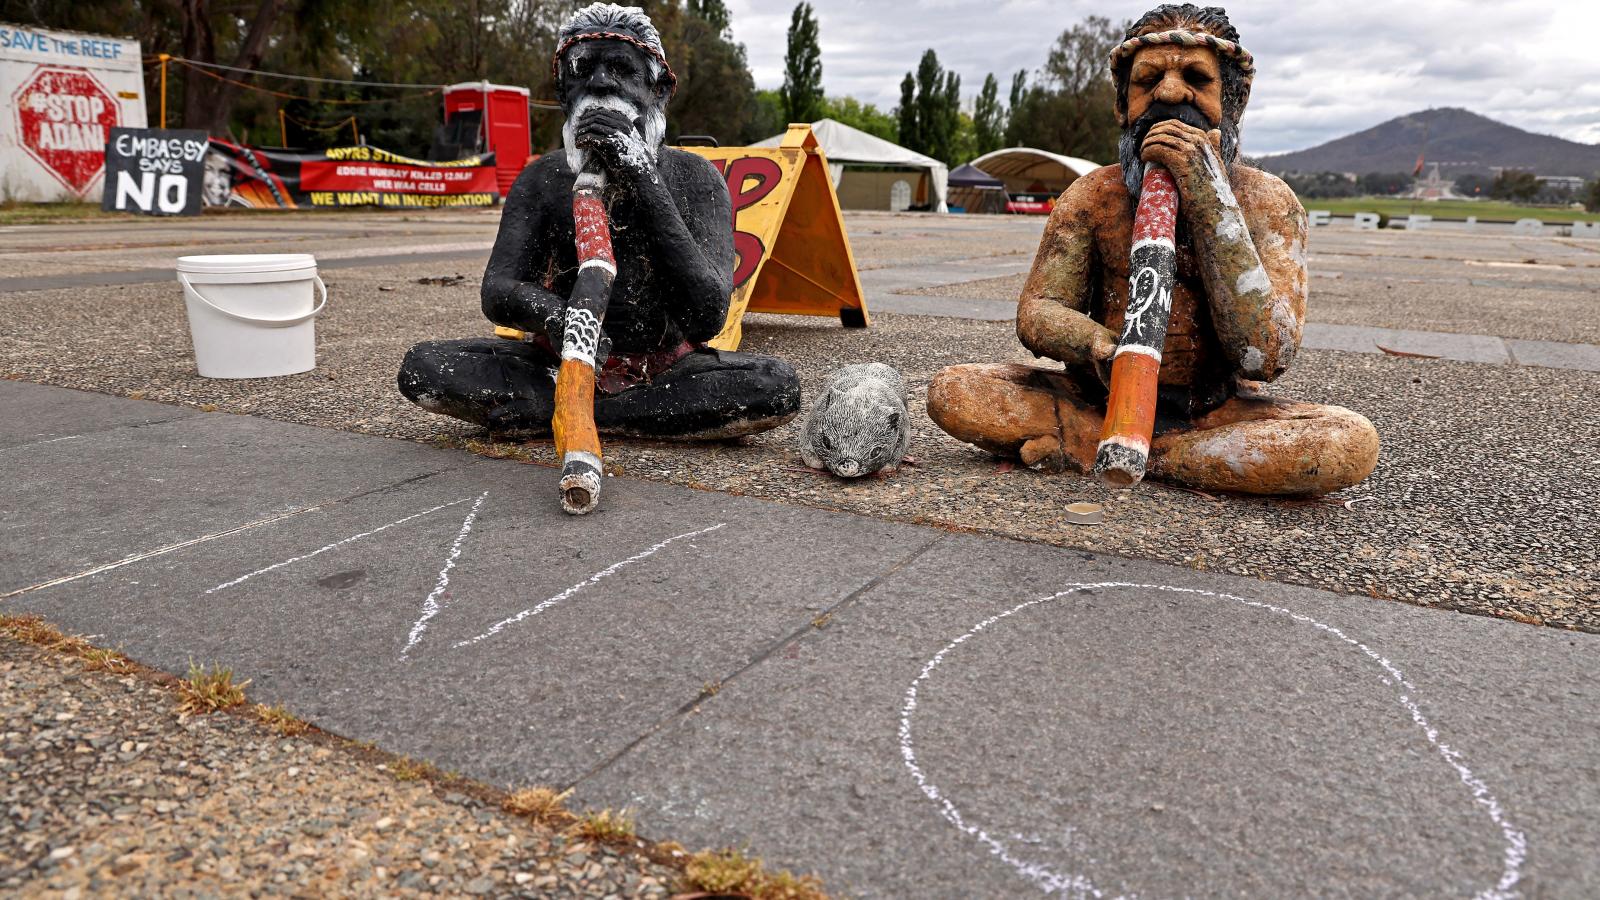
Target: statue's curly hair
(1212, 20)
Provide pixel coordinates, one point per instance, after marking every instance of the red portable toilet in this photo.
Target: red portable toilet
(480, 117)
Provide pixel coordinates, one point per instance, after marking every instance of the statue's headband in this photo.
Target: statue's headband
(555, 63)
(1241, 56)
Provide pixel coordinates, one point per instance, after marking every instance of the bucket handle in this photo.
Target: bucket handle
(270, 323)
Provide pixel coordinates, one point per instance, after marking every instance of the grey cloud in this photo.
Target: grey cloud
(1327, 67)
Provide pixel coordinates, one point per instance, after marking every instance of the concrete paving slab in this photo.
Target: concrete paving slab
(73, 506)
(1160, 740)
(882, 704)
(1481, 348)
(948, 307)
(399, 615)
(35, 414)
(1555, 355)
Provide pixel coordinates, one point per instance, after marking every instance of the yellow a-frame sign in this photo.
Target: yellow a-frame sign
(793, 256)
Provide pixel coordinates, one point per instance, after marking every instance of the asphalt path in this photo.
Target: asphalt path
(903, 710)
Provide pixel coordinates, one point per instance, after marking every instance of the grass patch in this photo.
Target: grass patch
(31, 629)
(541, 804)
(407, 769)
(731, 873)
(504, 450)
(1485, 210)
(281, 720)
(15, 212)
(209, 690)
(99, 659)
(606, 827)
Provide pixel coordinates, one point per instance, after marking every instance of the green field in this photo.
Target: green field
(1485, 210)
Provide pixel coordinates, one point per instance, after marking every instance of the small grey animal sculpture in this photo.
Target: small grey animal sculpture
(858, 424)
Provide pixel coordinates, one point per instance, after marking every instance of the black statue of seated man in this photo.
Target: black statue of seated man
(672, 232)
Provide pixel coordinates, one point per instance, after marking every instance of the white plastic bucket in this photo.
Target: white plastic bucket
(252, 315)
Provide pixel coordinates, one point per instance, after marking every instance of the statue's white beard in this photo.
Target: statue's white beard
(652, 121)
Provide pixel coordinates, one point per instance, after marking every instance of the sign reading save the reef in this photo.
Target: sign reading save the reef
(157, 171)
(238, 175)
(61, 93)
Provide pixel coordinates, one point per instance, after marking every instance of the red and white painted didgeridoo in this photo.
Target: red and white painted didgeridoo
(577, 440)
(1131, 409)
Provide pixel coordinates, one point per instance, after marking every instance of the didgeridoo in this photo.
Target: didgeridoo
(1131, 409)
(577, 440)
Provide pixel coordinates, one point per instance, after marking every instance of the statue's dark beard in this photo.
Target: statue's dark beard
(1132, 140)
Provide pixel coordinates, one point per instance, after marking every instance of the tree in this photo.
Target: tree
(769, 118)
(988, 124)
(1591, 196)
(865, 116)
(1474, 185)
(1516, 186)
(931, 115)
(713, 12)
(716, 93)
(906, 112)
(1386, 184)
(802, 67)
(1072, 109)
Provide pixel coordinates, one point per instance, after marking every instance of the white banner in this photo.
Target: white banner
(61, 93)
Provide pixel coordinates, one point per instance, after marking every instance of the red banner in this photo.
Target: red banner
(344, 176)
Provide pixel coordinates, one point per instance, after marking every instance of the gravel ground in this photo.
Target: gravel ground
(108, 792)
(1482, 501)
(1545, 295)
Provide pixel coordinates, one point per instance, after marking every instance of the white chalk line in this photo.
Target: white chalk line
(354, 537)
(1079, 885)
(138, 557)
(430, 605)
(592, 579)
(70, 437)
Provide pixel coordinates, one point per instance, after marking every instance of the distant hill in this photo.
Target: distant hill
(1463, 141)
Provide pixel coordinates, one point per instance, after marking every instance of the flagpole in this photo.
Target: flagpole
(1422, 156)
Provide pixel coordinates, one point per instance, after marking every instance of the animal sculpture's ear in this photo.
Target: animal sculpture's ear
(894, 420)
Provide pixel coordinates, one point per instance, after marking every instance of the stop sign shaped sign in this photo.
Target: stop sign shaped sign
(63, 117)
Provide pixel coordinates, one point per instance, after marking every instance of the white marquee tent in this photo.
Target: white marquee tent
(1021, 168)
(846, 146)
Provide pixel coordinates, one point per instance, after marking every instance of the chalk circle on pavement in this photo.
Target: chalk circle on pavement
(1079, 885)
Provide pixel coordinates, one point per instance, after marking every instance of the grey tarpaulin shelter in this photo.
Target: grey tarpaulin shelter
(976, 191)
(851, 148)
(1026, 170)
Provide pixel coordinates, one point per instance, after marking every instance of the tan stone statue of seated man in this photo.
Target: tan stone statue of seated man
(1238, 303)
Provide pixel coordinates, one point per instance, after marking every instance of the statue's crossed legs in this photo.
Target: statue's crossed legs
(1251, 444)
(510, 386)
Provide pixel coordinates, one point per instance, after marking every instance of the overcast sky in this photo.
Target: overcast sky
(1325, 68)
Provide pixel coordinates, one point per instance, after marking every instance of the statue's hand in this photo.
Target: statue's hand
(1102, 350)
(1183, 149)
(611, 136)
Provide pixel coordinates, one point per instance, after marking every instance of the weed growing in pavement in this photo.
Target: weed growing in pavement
(99, 659)
(731, 873)
(606, 826)
(33, 630)
(407, 769)
(541, 804)
(282, 721)
(209, 690)
(501, 450)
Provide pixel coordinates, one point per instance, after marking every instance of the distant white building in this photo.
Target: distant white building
(1434, 187)
(1562, 182)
